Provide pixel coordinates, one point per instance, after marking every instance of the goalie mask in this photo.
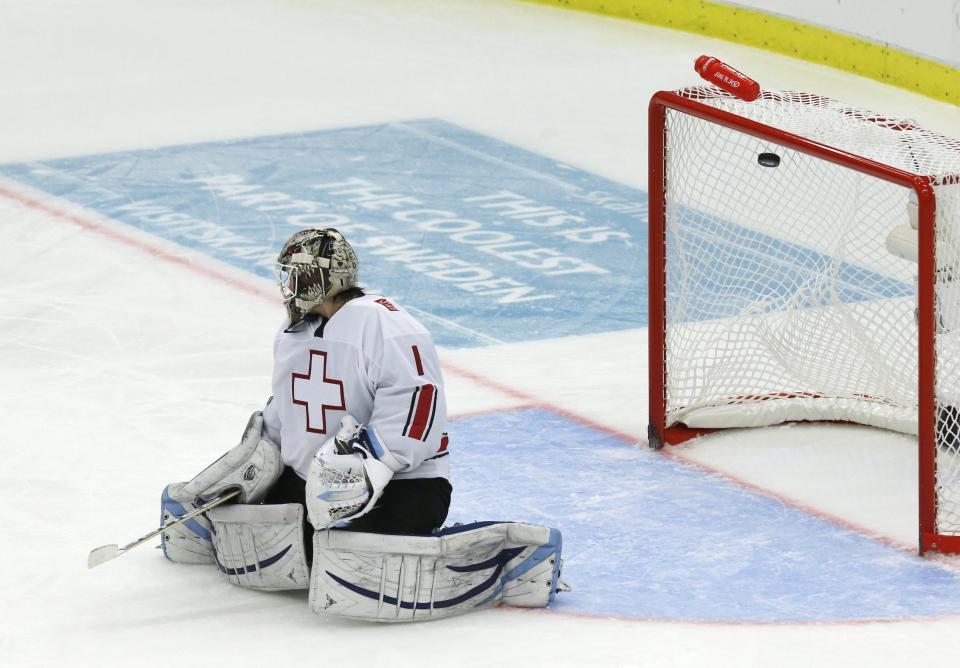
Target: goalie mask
(314, 264)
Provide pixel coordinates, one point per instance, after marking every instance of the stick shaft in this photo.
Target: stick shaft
(107, 552)
(180, 520)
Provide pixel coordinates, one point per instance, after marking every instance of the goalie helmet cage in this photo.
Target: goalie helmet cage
(774, 293)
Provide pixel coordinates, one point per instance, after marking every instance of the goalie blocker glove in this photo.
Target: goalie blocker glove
(252, 467)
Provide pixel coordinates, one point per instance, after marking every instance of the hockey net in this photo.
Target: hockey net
(775, 295)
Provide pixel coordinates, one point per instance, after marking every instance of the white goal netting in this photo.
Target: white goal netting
(784, 300)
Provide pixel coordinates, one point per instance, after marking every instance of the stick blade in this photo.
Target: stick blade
(102, 554)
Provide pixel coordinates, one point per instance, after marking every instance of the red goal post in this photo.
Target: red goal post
(773, 293)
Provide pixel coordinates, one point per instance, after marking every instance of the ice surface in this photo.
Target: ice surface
(127, 361)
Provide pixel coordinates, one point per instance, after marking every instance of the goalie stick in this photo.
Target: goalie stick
(105, 553)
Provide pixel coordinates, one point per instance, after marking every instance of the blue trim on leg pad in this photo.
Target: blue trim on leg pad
(190, 542)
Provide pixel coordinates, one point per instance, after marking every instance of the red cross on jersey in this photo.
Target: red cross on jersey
(317, 393)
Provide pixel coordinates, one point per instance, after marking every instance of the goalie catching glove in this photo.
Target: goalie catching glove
(345, 479)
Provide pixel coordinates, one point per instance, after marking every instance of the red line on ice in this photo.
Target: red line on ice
(129, 240)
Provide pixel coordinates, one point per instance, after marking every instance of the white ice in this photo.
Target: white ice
(92, 319)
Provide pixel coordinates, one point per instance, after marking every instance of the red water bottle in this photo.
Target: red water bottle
(723, 76)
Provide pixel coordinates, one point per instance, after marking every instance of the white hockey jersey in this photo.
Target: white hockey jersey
(373, 360)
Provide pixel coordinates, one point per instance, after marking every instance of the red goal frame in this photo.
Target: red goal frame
(659, 433)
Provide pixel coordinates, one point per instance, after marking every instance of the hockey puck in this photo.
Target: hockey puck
(769, 159)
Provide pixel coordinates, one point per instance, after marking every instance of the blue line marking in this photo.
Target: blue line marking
(649, 537)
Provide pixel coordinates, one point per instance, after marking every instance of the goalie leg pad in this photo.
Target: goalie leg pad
(261, 547)
(532, 579)
(391, 578)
